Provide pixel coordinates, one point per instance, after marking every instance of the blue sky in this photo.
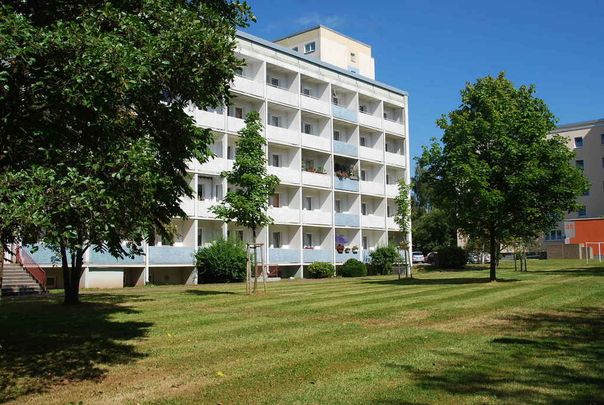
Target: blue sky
(432, 48)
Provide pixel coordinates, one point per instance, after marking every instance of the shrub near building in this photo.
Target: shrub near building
(451, 257)
(383, 259)
(321, 270)
(221, 262)
(353, 268)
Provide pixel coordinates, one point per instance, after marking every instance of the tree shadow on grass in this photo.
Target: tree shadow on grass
(582, 271)
(44, 342)
(543, 358)
(208, 292)
(438, 281)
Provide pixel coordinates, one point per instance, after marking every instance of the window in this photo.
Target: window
(363, 141)
(364, 208)
(365, 243)
(582, 212)
(578, 142)
(353, 70)
(353, 57)
(338, 205)
(335, 100)
(603, 162)
(308, 203)
(309, 47)
(385, 115)
(239, 71)
(387, 147)
(387, 178)
(276, 160)
(229, 152)
(306, 91)
(199, 236)
(200, 191)
(307, 128)
(308, 239)
(218, 191)
(310, 164)
(276, 240)
(580, 164)
(388, 211)
(240, 235)
(602, 139)
(237, 112)
(336, 135)
(363, 108)
(295, 49)
(276, 200)
(363, 175)
(554, 234)
(51, 282)
(274, 82)
(586, 192)
(275, 121)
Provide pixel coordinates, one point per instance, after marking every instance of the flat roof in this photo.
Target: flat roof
(581, 124)
(316, 27)
(316, 62)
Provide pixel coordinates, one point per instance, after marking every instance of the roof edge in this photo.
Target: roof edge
(319, 26)
(581, 124)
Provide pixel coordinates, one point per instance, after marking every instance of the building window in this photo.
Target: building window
(240, 235)
(199, 236)
(578, 142)
(363, 141)
(363, 175)
(603, 162)
(276, 240)
(275, 121)
(388, 211)
(336, 135)
(365, 243)
(364, 208)
(363, 108)
(295, 49)
(239, 71)
(218, 191)
(338, 206)
(308, 203)
(586, 192)
(276, 161)
(306, 91)
(236, 112)
(602, 139)
(353, 57)
(387, 178)
(307, 128)
(580, 164)
(554, 234)
(582, 212)
(309, 47)
(274, 82)
(276, 200)
(308, 240)
(335, 100)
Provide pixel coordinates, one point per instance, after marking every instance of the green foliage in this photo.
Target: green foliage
(433, 229)
(221, 262)
(247, 203)
(403, 208)
(451, 257)
(353, 268)
(320, 270)
(93, 124)
(497, 172)
(383, 259)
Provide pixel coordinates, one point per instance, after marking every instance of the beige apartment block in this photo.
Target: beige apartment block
(332, 47)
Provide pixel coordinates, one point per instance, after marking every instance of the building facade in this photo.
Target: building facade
(337, 139)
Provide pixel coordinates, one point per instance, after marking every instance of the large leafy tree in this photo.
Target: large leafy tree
(94, 132)
(247, 203)
(497, 173)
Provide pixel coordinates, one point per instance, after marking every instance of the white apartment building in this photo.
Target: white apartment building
(337, 139)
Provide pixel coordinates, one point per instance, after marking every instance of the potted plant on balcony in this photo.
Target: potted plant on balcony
(355, 249)
(347, 250)
(339, 248)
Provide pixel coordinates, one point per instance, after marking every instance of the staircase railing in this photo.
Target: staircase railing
(25, 260)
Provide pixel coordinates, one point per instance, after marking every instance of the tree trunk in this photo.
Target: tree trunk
(255, 260)
(493, 252)
(72, 275)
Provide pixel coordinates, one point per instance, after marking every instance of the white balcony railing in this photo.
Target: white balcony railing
(371, 153)
(316, 142)
(235, 124)
(316, 179)
(391, 190)
(214, 166)
(314, 104)
(285, 174)
(390, 224)
(281, 95)
(282, 135)
(203, 208)
(371, 187)
(208, 119)
(395, 159)
(370, 120)
(284, 215)
(373, 221)
(394, 127)
(247, 85)
(188, 206)
(316, 217)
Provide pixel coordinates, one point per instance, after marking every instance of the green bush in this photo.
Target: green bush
(320, 270)
(221, 262)
(383, 258)
(353, 268)
(451, 257)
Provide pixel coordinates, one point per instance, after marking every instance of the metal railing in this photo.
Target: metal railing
(26, 261)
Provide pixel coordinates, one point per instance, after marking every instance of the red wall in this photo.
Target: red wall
(589, 230)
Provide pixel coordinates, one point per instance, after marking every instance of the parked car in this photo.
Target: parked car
(417, 257)
(432, 257)
(474, 257)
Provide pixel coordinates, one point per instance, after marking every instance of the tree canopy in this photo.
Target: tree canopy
(94, 132)
(497, 173)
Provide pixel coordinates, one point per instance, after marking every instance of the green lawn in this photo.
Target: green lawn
(443, 337)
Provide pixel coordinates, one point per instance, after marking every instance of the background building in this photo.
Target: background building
(337, 139)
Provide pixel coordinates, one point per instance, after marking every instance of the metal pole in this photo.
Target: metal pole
(600, 252)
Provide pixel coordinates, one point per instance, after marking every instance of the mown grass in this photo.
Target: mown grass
(443, 337)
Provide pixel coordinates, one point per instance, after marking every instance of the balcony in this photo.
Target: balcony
(394, 127)
(343, 113)
(315, 179)
(188, 206)
(372, 187)
(342, 257)
(203, 208)
(344, 148)
(285, 174)
(281, 95)
(214, 166)
(235, 124)
(395, 159)
(282, 135)
(314, 104)
(370, 120)
(316, 142)
(390, 224)
(343, 219)
(209, 119)
(371, 153)
(284, 215)
(283, 256)
(173, 255)
(373, 221)
(246, 85)
(316, 217)
(317, 255)
(105, 259)
(345, 184)
(391, 190)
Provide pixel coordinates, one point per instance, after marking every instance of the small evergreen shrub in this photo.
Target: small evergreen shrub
(353, 268)
(320, 270)
(221, 262)
(451, 257)
(383, 259)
